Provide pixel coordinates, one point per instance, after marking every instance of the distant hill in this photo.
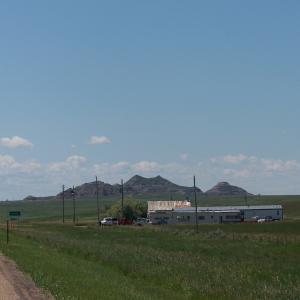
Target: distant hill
(226, 189)
(136, 185)
(90, 190)
(33, 198)
(141, 185)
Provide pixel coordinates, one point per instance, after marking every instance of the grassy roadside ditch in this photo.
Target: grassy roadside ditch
(248, 261)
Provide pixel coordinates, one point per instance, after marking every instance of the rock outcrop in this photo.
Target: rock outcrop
(155, 185)
(226, 189)
(137, 185)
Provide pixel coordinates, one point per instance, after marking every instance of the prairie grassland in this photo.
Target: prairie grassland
(86, 209)
(233, 261)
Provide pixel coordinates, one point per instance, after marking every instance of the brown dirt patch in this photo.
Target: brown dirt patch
(14, 285)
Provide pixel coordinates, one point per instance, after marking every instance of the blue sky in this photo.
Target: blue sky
(175, 88)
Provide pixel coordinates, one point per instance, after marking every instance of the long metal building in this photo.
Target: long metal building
(183, 213)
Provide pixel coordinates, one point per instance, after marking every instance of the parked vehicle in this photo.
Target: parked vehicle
(125, 221)
(141, 221)
(265, 219)
(109, 221)
(262, 220)
(255, 219)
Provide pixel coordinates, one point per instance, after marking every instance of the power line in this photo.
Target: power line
(74, 206)
(63, 203)
(122, 192)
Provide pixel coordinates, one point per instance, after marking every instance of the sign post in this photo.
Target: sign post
(7, 231)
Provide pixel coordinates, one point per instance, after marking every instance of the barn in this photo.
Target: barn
(181, 212)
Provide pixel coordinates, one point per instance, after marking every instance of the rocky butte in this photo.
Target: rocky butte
(137, 185)
(226, 189)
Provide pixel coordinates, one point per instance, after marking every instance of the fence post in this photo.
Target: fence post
(7, 231)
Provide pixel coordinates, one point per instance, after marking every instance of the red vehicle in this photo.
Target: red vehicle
(125, 221)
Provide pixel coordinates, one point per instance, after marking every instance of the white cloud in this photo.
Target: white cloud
(235, 159)
(107, 168)
(29, 166)
(267, 175)
(184, 156)
(7, 161)
(15, 142)
(213, 160)
(112, 172)
(260, 175)
(122, 165)
(237, 173)
(95, 140)
(9, 165)
(71, 163)
(146, 166)
(279, 165)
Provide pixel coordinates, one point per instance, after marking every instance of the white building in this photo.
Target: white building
(172, 214)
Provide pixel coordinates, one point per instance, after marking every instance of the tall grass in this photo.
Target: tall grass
(242, 261)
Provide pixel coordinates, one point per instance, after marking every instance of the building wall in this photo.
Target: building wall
(211, 217)
(207, 217)
(276, 214)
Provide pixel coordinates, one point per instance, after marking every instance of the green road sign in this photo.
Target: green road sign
(14, 215)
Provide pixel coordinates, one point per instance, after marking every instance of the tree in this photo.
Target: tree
(132, 209)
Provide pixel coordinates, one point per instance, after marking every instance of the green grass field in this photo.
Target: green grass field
(226, 261)
(86, 209)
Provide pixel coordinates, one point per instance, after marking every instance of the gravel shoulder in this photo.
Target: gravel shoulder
(14, 285)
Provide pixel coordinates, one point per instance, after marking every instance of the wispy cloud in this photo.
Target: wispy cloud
(184, 156)
(15, 142)
(242, 165)
(235, 159)
(96, 140)
(261, 175)
(146, 166)
(9, 165)
(278, 165)
(71, 163)
(236, 173)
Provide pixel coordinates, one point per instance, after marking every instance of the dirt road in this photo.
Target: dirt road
(14, 285)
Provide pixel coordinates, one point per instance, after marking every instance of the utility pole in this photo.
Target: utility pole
(196, 205)
(98, 206)
(63, 203)
(122, 192)
(74, 208)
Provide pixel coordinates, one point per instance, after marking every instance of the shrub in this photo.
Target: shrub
(132, 209)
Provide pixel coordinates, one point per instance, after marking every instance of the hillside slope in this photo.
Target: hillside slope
(226, 189)
(136, 185)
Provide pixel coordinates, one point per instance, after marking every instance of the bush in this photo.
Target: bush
(132, 209)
